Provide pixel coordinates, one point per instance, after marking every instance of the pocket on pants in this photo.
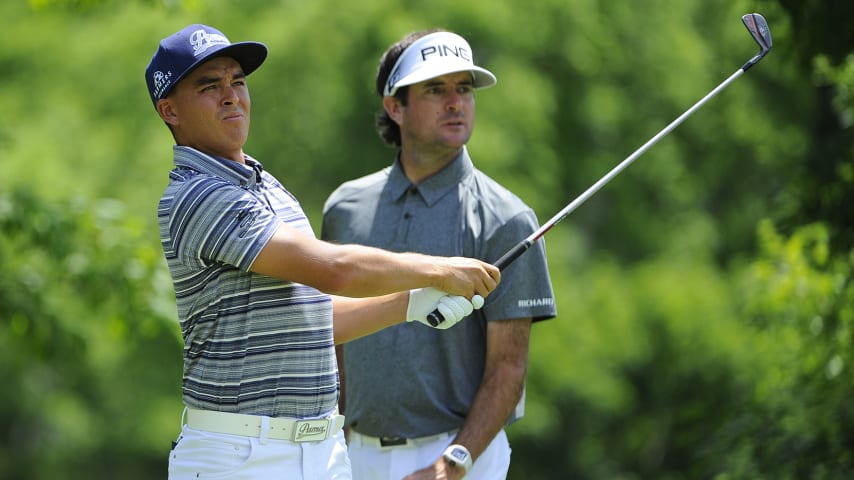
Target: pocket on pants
(200, 454)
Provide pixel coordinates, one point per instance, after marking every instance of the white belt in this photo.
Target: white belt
(278, 428)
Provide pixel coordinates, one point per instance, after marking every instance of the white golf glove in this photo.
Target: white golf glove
(422, 301)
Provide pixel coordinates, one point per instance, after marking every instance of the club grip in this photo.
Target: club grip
(435, 318)
(512, 254)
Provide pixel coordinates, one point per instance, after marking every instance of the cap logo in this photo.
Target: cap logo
(393, 78)
(444, 51)
(201, 41)
(162, 80)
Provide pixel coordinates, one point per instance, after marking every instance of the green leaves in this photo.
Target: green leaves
(88, 331)
(705, 295)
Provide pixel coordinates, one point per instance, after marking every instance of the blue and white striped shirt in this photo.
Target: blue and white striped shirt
(253, 344)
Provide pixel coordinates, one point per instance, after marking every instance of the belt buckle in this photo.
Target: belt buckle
(392, 441)
(311, 430)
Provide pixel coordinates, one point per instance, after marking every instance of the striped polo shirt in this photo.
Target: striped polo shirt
(253, 344)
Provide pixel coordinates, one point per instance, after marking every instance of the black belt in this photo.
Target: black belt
(392, 441)
(395, 441)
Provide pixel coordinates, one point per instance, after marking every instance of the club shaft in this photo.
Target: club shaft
(435, 317)
(629, 160)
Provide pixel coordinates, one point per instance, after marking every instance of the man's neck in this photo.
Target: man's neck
(233, 155)
(419, 166)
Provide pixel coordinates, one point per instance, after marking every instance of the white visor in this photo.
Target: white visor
(432, 56)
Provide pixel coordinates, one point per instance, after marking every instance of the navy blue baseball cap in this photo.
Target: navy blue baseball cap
(180, 53)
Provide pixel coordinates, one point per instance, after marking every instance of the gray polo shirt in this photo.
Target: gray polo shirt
(410, 380)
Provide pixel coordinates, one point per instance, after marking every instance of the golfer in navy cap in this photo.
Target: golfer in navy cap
(261, 301)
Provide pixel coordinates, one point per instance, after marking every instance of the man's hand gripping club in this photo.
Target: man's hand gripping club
(453, 307)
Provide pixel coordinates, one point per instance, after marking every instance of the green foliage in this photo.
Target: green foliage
(821, 189)
(672, 370)
(705, 296)
(642, 375)
(88, 347)
(801, 297)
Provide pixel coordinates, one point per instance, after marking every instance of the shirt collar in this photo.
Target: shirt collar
(244, 175)
(436, 186)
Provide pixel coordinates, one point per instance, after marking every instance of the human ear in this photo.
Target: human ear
(167, 112)
(393, 108)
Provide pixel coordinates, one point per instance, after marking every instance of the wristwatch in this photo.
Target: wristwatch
(458, 456)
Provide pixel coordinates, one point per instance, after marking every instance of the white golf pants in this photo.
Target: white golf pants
(200, 454)
(370, 461)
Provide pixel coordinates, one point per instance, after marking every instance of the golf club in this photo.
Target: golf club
(758, 28)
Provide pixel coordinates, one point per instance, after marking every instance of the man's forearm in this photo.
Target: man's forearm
(357, 317)
(360, 271)
(494, 403)
(367, 271)
(502, 385)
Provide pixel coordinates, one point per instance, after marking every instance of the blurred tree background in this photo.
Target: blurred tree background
(705, 295)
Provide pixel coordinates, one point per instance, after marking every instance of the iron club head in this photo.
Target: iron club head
(758, 28)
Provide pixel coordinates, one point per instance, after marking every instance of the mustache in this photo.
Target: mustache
(450, 117)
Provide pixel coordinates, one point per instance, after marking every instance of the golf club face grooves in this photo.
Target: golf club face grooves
(758, 28)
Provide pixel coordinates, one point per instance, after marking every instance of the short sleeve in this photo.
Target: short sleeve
(217, 222)
(525, 289)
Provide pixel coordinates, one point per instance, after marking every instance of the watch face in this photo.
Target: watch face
(459, 454)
